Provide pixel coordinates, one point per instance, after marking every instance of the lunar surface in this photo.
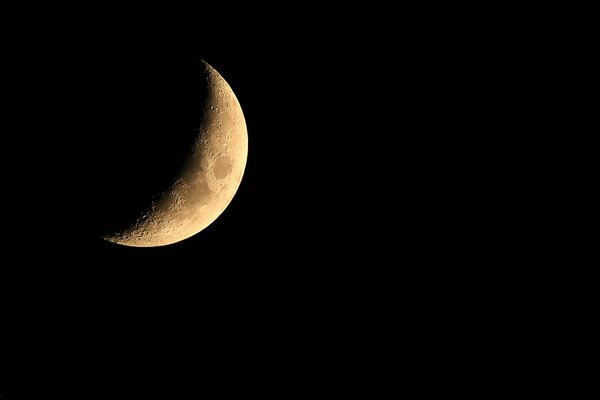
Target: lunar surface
(208, 180)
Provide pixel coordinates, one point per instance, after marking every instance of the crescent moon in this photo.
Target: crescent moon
(208, 180)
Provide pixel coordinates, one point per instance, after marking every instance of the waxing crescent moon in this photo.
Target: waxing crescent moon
(208, 180)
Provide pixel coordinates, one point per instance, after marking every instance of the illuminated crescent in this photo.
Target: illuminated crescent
(208, 179)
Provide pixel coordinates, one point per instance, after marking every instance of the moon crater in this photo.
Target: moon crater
(222, 167)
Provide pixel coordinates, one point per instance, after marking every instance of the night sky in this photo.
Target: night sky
(416, 220)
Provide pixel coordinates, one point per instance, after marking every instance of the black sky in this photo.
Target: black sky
(414, 219)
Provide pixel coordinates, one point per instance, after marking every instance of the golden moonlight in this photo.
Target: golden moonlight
(208, 179)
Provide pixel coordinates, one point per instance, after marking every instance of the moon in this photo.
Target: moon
(208, 180)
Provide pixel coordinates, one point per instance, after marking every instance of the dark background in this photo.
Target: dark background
(416, 218)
